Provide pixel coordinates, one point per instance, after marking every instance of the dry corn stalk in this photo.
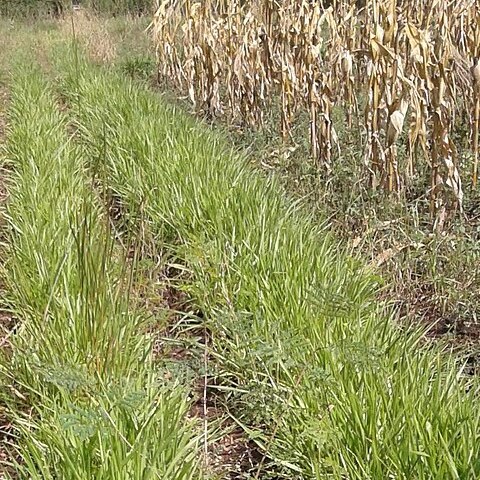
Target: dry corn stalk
(407, 61)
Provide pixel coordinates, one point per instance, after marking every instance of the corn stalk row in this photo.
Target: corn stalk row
(399, 69)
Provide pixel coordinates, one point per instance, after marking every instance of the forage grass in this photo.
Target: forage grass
(324, 381)
(57, 264)
(89, 403)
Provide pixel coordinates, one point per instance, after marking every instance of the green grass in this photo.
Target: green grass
(323, 380)
(85, 399)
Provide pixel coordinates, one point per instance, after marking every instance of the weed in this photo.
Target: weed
(139, 67)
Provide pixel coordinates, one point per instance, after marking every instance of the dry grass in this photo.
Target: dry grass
(92, 33)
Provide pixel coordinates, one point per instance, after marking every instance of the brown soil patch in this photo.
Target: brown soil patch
(230, 455)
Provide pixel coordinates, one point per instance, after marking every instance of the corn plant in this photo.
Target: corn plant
(410, 60)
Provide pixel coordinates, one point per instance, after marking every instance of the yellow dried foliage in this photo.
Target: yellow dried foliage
(92, 34)
(413, 64)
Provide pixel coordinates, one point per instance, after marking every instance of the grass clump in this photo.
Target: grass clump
(86, 400)
(325, 383)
